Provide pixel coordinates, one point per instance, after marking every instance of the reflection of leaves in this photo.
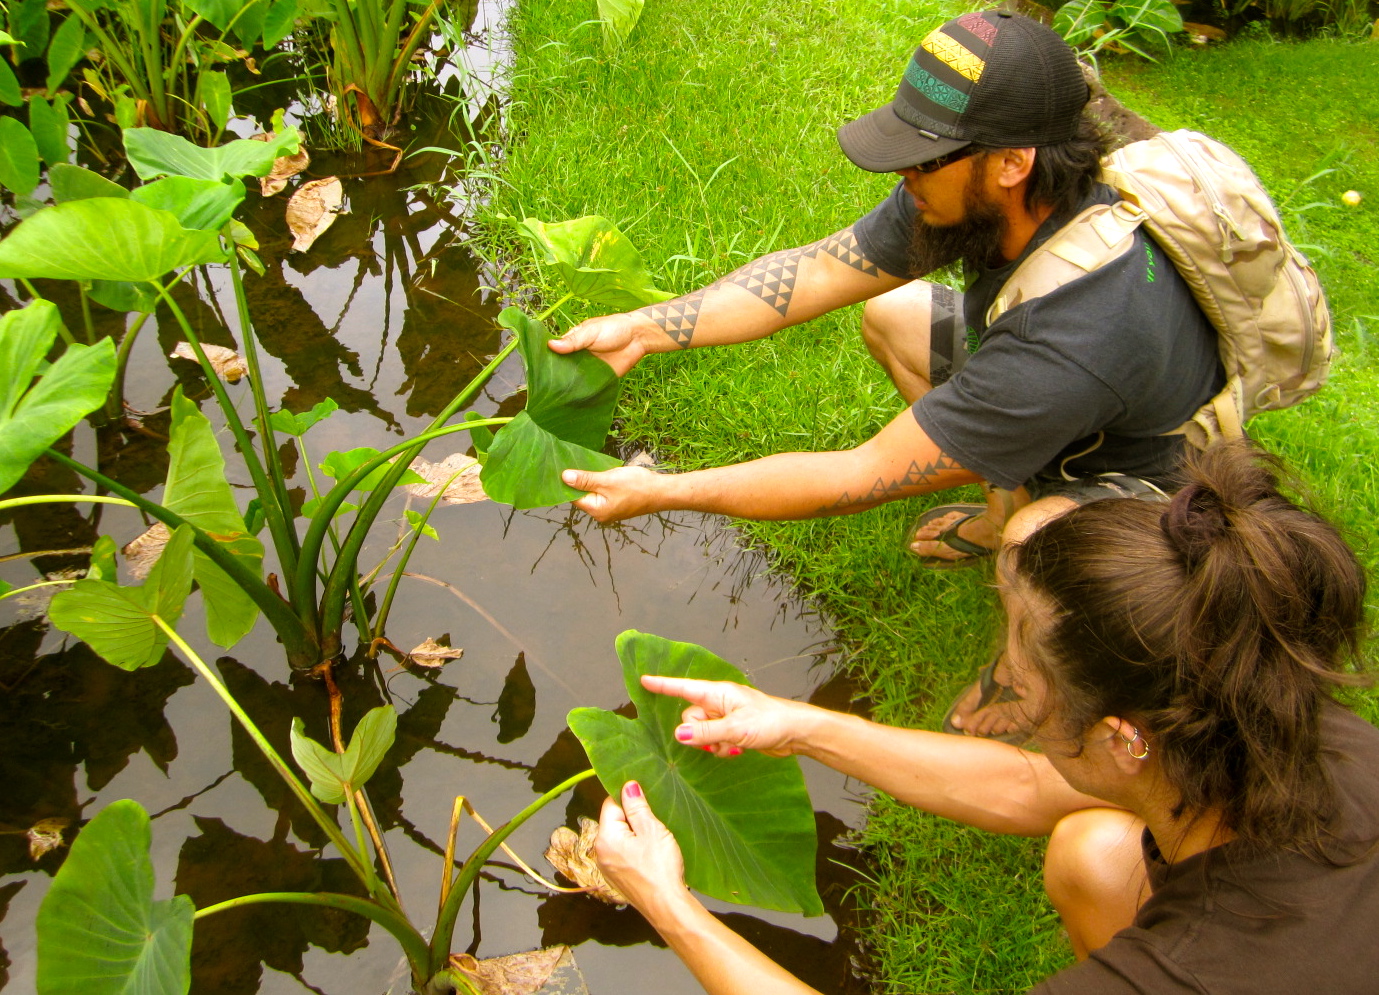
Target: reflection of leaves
(746, 827)
(572, 854)
(516, 702)
(229, 947)
(7, 893)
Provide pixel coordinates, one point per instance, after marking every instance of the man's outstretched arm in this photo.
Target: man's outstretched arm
(899, 461)
(778, 290)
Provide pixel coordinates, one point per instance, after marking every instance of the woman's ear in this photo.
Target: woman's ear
(1128, 746)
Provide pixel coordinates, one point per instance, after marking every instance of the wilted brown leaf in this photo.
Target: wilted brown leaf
(46, 835)
(284, 167)
(515, 974)
(228, 363)
(433, 654)
(1200, 34)
(572, 854)
(143, 552)
(312, 209)
(464, 489)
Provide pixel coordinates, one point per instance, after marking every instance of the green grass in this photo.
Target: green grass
(709, 139)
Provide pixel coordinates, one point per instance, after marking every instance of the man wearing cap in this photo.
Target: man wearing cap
(1061, 400)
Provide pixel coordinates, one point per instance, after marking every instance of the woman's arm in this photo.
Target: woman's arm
(977, 782)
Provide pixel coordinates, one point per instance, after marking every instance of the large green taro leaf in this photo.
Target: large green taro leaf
(198, 204)
(745, 825)
(104, 238)
(156, 153)
(33, 418)
(197, 490)
(570, 403)
(619, 17)
(70, 182)
(598, 262)
(99, 930)
(117, 622)
(19, 161)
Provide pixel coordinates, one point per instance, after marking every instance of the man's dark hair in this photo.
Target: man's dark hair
(1063, 174)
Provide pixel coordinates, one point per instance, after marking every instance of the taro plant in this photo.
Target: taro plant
(100, 929)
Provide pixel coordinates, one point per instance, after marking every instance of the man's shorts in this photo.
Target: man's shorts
(1085, 490)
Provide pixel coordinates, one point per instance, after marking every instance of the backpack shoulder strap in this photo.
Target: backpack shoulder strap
(1098, 235)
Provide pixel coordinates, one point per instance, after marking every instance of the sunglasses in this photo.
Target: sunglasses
(934, 165)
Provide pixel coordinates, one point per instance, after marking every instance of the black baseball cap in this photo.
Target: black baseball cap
(990, 78)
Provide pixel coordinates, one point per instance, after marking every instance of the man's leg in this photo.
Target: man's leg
(917, 333)
(1094, 875)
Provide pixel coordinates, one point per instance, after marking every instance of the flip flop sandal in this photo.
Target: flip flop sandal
(950, 538)
(992, 693)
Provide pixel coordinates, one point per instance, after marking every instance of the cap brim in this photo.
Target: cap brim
(882, 143)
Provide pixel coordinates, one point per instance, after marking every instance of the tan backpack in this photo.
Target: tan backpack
(1209, 213)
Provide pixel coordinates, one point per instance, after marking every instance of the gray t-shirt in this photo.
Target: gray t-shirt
(1099, 367)
(1224, 921)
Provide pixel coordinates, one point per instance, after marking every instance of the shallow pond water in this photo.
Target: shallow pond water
(388, 315)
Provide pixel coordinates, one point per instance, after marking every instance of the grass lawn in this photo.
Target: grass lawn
(709, 139)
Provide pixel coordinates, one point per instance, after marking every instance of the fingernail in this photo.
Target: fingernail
(568, 476)
(684, 733)
(632, 789)
(736, 751)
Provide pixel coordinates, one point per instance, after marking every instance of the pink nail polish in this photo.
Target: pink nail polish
(633, 789)
(707, 749)
(684, 734)
(736, 751)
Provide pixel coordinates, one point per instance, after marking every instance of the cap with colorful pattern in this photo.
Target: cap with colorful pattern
(992, 77)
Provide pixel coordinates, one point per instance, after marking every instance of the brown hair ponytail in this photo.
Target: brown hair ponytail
(1220, 622)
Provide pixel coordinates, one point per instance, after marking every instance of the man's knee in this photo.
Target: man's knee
(1094, 856)
(1025, 521)
(899, 320)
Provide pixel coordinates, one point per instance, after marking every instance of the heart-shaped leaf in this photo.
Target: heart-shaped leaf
(341, 465)
(570, 404)
(300, 424)
(49, 123)
(597, 262)
(197, 490)
(333, 775)
(99, 930)
(33, 418)
(117, 622)
(196, 204)
(104, 238)
(745, 826)
(71, 182)
(155, 153)
(18, 157)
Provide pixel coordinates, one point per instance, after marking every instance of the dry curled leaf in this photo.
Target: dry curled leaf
(46, 835)
(643, 458)
(284, 167)
(143, 552)
(433, 654)
(312, 209)
(515, 974)
(463, 489)
(572, 854)
(228, 363)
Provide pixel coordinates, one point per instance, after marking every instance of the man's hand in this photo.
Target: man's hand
(637, 853)
(622, 492)
(620, 340)
(727, 718)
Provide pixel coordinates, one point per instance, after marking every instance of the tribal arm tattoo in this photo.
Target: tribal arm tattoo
(918, 479)
(771, 278)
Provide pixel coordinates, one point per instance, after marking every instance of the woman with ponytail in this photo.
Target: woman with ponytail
(1212, 812)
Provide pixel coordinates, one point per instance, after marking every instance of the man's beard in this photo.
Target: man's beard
(975, 240)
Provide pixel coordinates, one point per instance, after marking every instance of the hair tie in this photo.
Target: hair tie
(1193, 521)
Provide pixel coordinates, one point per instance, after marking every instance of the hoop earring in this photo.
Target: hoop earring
(1131, 742)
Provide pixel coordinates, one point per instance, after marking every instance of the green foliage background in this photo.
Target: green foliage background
(709, 139)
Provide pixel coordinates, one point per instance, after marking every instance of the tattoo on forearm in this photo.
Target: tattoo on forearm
(771, 278)
(677, 318)
(915, 479)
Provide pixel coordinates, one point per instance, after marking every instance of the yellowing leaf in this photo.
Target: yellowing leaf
(515, 974)
(228, 363)
(312, 209)
(433, 654)
(46, 835)
(462, 489)
(572, 854)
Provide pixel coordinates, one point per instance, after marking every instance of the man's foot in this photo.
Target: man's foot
(953, 535)
(990, 708)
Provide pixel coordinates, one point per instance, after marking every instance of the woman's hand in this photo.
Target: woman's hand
(637, 853)
(727, 718)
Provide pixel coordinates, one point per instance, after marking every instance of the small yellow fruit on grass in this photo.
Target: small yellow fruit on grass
(1352, 198)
